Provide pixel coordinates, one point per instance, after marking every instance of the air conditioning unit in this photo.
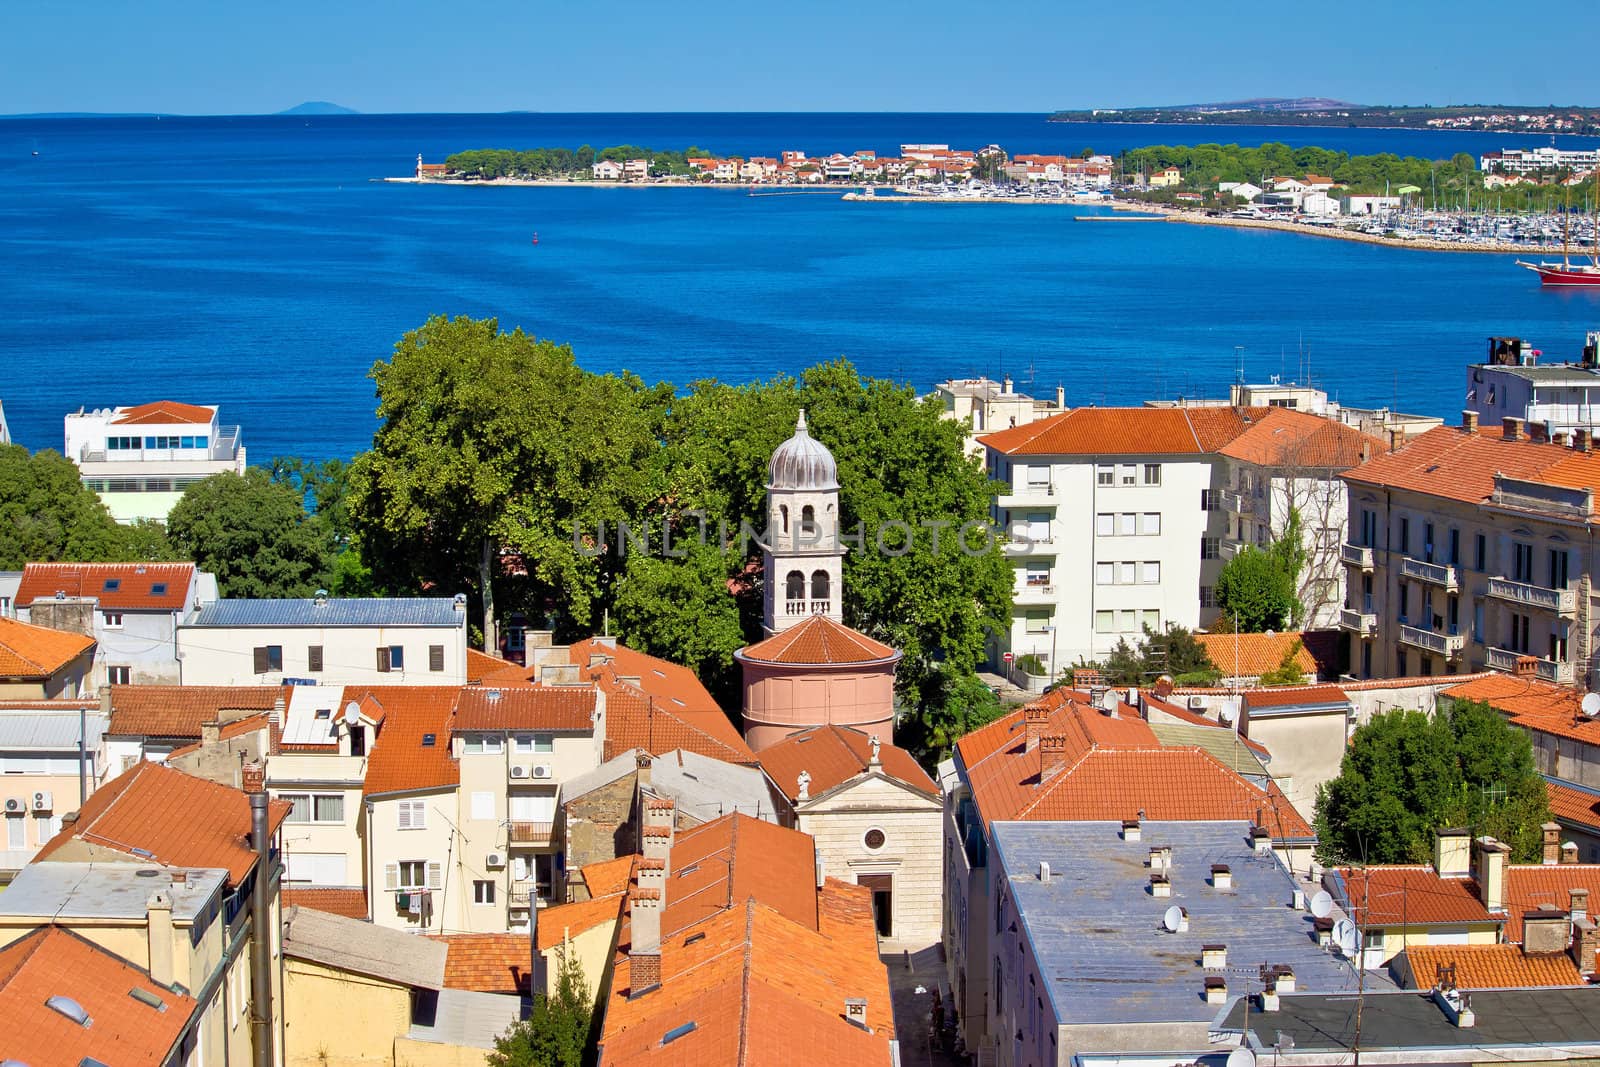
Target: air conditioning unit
(1197, 702)
(519, 771)
(494, 859)
(15, 804)
(43, 801)
(541, 770)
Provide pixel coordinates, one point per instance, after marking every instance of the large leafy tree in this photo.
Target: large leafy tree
(46, 514)
(1405, 775)
(495, 447)
(1172, 651)
(1256, 592)
(556, 1032)
(253, 534)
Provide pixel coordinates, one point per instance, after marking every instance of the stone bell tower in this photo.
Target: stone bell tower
(803, 561)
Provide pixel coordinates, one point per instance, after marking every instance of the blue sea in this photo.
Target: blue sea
(255, 263)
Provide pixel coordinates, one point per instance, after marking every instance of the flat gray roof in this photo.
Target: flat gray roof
(364, 948)
(1553, 374)
(50, 731)
(46, 889)
(362, 611)
(1095, 929)
(1226, 745)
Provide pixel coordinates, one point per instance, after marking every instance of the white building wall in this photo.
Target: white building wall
(225, 655)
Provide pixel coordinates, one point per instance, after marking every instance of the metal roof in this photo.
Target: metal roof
(467, 1018)
(363, 948)
(1224, 744)
(53, 731)
(363, 611)
(1549, 374)
(1095, 930)
(705, 788)
(52, 890)
(301, 724)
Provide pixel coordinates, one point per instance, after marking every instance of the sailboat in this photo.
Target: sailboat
(1567, 272)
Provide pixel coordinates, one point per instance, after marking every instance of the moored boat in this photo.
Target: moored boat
(1564, 273)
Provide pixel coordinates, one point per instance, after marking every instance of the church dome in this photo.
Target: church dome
(802, 462)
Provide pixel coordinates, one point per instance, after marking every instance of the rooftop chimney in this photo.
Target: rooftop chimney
(1159, 886)
(254, 775)
(1491, 873)
(1216, 989)
(1546, 931)
(1130, 829)
(1214, 957)
(1527, 667)
(1283, 978)
(1452, 853)
(1569, 852)
(643, 764)
(1511, 428)
(653, 874)
(1585, 937)
(275, 716)
(1035, 718)
(210, 733)
(1552, 843)
(1396, 439)
(855, 1012)
(1044, 871)
(1582, 439)
(1469, 422)
(657, 845)
(644, 948)
(158, 928)
(1061, 397)
(1006, 385)
(1578, 897)
(1261, 838)
(1561, 437)
(1221, 876)
(1539, 432)
(1052, 754)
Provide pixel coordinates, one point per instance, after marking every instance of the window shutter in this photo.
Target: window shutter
(436, 657)
(405, 814)
(383, 660)
(261, 660)
(435, 876)
(314, 658)
(391, 876)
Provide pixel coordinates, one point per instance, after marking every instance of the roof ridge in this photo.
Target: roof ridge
(744, 985)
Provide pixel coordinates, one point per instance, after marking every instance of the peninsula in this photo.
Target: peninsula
(1316, 111)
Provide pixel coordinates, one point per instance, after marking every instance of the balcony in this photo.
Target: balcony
(1230, 501)
(1525, 594)
(1357, 556)
(1433, 573)
(530, 834)
(521, 895)
(798, 607)
(1035, 593)
(1548, 670)
(1024, 543)
(1440, 644)
(1037, 493)
(1364, 623)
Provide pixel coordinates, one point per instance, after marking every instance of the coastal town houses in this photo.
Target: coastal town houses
(1166, 178)
(607, 170)
(140, 459)
(1075, 757)
(132, 610)
(1516, 381)
(1470, 549)
(1159, 498)
(987, 405)
(40, 663)
(328, 640)
(52, 756)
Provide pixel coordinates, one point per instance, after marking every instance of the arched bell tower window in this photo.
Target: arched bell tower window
(783, 512)
(819, 591)
(795, 589)
(808, 520)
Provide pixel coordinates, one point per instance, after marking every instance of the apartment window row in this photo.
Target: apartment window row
(1126, 620)
(1556, 572)
(478, 744)
(269, 658)
(126, 444)
(1210, 548)
(1108, 474)
(1146, 573)
(412, 875)
(315, 807)
(1128, 524)
(141, 485)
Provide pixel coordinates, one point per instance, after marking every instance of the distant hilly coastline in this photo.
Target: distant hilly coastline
(1321, 111)
(310, 107)
(319, 107)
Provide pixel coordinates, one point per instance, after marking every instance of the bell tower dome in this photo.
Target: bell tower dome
(803, 559)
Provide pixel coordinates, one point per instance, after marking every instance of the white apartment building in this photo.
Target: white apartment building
(140, 459)
(321, 640)
(989, 405)
(1122, 518)
(1530, 160)
(39, 771)
(1558, 397)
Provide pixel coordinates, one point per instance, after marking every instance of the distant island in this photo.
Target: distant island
(319, 107)
(1317, 111)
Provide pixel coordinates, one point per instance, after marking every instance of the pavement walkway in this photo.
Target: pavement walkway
(912, 967)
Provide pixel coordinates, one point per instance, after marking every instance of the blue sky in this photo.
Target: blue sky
(811, 55)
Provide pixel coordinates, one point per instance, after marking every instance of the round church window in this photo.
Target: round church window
(874, 839)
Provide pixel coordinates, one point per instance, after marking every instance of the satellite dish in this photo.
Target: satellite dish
(1322, 904)
(1270, 635)
(1241, 1057)
(1109, 700)
(1348, 937)
(1591, 704)
(352, 713)
(1172, 919)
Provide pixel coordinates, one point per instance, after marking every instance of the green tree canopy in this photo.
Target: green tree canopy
(556, 1032)
(47, 515)
(253, 534)
(1256, 588)
(1405, 775)
(1173, 651)
(1288, 671)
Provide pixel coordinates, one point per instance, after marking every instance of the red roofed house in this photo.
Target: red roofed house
(140, 459)
(813, 670)
(37, 663)
(876, 817)
(431, 170)
(131, 609)
(1470, 548)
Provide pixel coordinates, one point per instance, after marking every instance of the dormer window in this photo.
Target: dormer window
(112, 585)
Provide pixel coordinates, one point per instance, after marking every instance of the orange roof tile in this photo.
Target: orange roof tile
(608, 877)
(1579, 807)
(1411, 895)
(819, 641)
(1532, 705)
(1283, 437)
(525, 708)
(124, 586)
(1491, 967)
(37, 652)
(178, 711)
(170, 817)
(1125, 431)
(672, 683)
(480, 665)
(487, 963)
(833, 755)
(636, 720)
(53, 961)
(351, 903)
(569, 920)
(412, 750)
(1252, 655)
(1293, 696)
(720, 863)
(164, 411)
(1529, 886)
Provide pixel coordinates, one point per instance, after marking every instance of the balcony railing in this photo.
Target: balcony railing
(1433, 573)
(808, 607)
(1033, 593)
(1440, 644)
(1549, 670)
(1361, 622)
(531, 833)
(522, 895)
(1039, 491)
(1022, 542)
(1357, 556)
(1230, 501)
(1560, 601)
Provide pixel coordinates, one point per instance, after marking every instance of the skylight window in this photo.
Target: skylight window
(324, 713)
(429, 740)
(148, 999)
(158, 589)
(70, 1008)
(678, 1031)
(113, 584)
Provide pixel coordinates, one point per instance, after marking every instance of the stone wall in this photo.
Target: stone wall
(599, 826)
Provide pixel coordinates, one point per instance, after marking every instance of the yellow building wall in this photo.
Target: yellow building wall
(594, 949)
(408, 1053)
(337, 1019)
(1397, 939)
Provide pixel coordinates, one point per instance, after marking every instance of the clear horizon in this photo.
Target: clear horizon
(407, 57)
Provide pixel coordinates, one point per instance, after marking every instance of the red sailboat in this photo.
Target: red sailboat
(1567, 272)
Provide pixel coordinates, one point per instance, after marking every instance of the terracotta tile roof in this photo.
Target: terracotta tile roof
(1294, 696)
(1532, 705)
(179, 820)
(53, 961)
(818, 641)
(1125, 431)
(1450, 463)
(132, 586)
(1283, 437)
(481, 664)
(723, 862)
(1252, 655)
(1579, 807)
(351, 903)
(833, 755)
(260, 721)
(37, 652)
(1531, 885)
(178, 711)
(569, 920)
(163, 411)
(488, 963)
(636, 720)
(608, 877)
(1491, 967)
(675, 685)
(1411, 895)
(526, 708)
(401, 759)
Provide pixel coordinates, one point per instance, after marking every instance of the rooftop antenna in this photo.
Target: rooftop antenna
(1238, 351)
